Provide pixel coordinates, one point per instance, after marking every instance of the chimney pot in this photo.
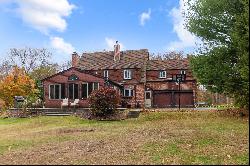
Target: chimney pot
(117, 51)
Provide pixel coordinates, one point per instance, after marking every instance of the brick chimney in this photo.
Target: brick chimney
(75, 59)
(117, 51)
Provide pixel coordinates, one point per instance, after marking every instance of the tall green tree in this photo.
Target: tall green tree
(222, 63)
(41, 72)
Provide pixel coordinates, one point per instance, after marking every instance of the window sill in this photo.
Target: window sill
(127, 96)
(55, 99)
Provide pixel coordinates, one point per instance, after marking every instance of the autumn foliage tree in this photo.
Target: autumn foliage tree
(17, 83)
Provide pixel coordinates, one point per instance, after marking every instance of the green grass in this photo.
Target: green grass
(192, 137)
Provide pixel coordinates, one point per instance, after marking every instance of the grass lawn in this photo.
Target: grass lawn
(195, 137)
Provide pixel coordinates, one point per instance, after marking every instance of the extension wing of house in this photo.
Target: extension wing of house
(141, 82)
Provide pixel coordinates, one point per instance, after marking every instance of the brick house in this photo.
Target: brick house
(140, 81)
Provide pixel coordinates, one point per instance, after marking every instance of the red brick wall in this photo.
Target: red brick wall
(63, 78)
(117, 75)
(156, 83)
(138, 95)
(188, 85)
(153, 82)
(154, 74)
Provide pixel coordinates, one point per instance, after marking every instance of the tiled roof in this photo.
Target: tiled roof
(105, 60)
(168, 64)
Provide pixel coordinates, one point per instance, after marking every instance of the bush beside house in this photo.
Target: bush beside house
(104, 103)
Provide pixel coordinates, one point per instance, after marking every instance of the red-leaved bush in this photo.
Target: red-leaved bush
(103, 102)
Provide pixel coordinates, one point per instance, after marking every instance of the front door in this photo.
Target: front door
(148, 96)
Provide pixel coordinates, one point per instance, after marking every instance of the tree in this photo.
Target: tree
(240, 40)
(167, 56)
(41, 72)
(66, 65)
(34, 61)
(17, 83)
(44, 71)
(222, 63)
(5, 68)
(28, 58)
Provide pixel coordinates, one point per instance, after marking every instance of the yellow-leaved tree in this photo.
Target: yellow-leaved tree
(17, 83)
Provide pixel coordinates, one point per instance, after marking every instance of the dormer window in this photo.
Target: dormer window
(106, 73)
(73, 77)
(163, 74)
(127, 74)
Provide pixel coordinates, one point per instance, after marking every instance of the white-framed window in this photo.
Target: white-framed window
(55, 91)
(163, 74)
(183, 72)
(88, 87)
(148, 95)
(128, 92)
(127, 74)
(73, 91)
(85, 93)
(95, 85)
(106, 73)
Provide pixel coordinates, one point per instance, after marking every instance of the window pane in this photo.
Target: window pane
(52, 95)
(131, 92)
(126, 92)
(148, 96)
(62, 91)
(57, 91)
(125, 74)
(73, 78)
(90, 87)
(95, 85)
(106, 73)
(71, 91)
(162, 74)
(84, 90)
(76, 91)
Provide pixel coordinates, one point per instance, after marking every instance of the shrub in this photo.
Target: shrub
(103, 102)
(32, 101)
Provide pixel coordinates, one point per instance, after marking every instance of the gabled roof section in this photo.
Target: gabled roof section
(168, 64)
(82, 71)
(71, 68)
(105, 60)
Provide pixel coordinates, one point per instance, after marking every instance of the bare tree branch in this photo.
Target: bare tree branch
(167, 55)
(29, 58)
